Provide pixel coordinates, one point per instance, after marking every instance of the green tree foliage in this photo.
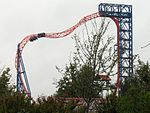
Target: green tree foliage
(143, 75)
(65, 85)
(137, 96)
(80, 83)
(10, 101)
(108, 105)
(135, 101)
(5, 89)
(53, 104)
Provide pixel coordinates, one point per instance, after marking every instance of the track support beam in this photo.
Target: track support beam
(123, 13)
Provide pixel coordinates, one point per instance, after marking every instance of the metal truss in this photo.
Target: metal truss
(123, 13)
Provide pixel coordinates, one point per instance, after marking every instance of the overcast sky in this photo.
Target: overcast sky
(19, 18)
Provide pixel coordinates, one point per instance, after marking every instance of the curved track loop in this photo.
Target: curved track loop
(62, 34)
(56, 35)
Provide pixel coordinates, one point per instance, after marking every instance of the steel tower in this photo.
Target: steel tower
(123, 13)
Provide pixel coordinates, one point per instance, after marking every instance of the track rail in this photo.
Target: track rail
(32, 37)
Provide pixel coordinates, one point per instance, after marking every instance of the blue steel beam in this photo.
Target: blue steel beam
(21, 76)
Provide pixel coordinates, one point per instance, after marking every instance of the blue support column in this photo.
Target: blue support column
(25, 77)
(19, 86)
(21, 75)
(123, 13)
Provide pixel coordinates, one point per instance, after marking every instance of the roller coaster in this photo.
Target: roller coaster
(121, 14)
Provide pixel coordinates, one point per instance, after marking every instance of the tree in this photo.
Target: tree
(5, 89)
(81, 83)
(108, 105)
(137, 95)
(52, 104)
(135, 101)
(4, 83)
(94, 56)
(10, 102)
(143, 75)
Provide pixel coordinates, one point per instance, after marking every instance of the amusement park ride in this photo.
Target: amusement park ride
(121, 14)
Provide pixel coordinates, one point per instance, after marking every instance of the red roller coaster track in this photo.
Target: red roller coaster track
(62, 34)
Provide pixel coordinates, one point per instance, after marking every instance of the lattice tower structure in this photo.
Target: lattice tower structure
(123, 13)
